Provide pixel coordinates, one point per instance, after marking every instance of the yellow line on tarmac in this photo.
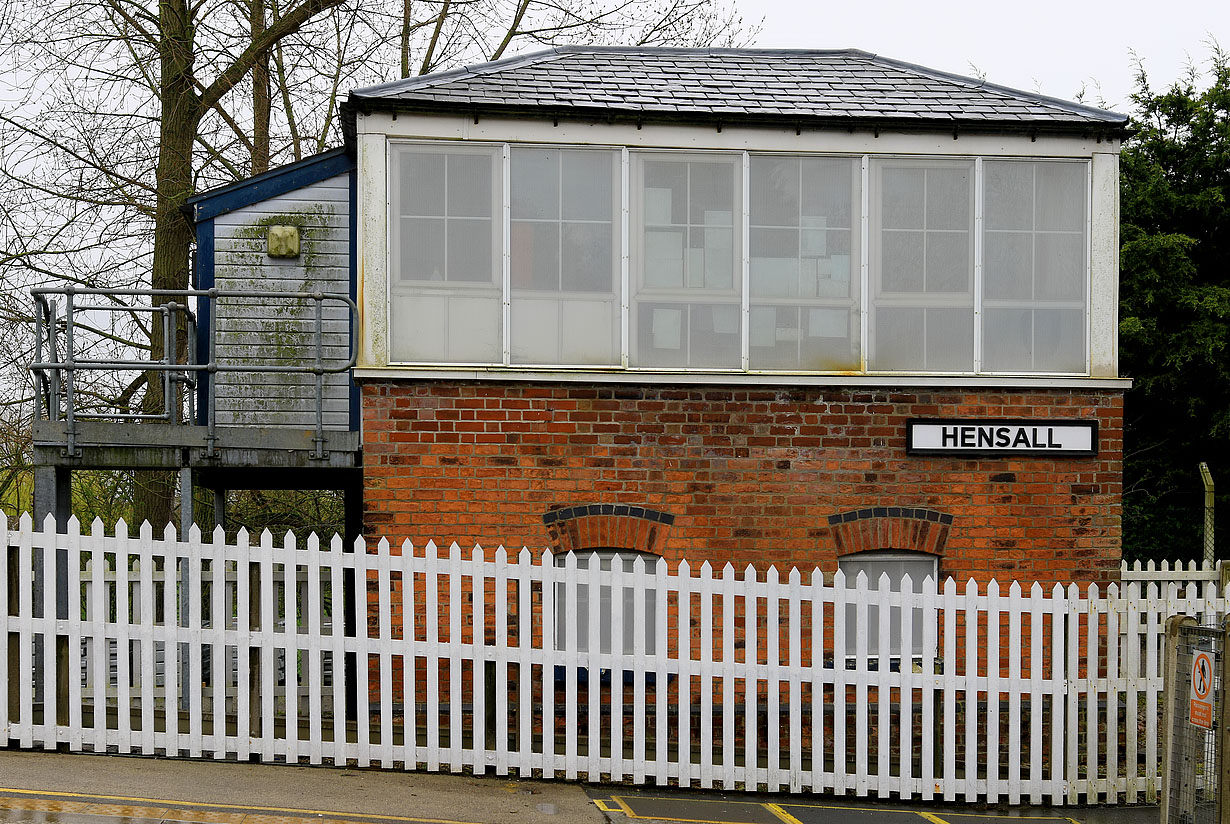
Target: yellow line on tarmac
(247, 807)
(929, 816)
(628, 811)
(777, 810)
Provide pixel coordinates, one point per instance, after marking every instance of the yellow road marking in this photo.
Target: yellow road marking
(926, 815)
(167, 802)
(628, 811)
(602, 805)
(782, 814)
(933, 818)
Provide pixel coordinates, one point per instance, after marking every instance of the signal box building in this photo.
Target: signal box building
(801, 308)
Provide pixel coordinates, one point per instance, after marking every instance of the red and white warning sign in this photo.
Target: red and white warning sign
(1201, 711)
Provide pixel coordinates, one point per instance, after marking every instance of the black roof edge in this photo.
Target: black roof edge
(245, 192)
(1100, 130)
(478, 69)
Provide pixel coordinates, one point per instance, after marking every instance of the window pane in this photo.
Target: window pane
(664, 258)
(949, 262)
(665, 188)
(1060, 267)
(469, 250)
(711, 261)
(774, 262)
(588, 257)
(950, 340)
(563, 330)
(1007, 265)
(775, 191)
(1008, 203)
(422, 249)
(712, 194)
(922, 265)
(1034, 340)
(588, 185)
(469, 185)
(688, 335)
(902, 263)
(828, 190)
(949, 198)
(1036, 268)
(1059, 336)
(422, 181)
(436, 326)
(898, 333)
(535, 255)
(1061, 196)
(535, 184)
(896, 565)
(685, 311)
(1008, 340)
(565, 298)
(903, 193)
(445, 304)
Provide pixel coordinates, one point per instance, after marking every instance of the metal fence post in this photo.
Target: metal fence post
(1223, 728)
(1173, 707)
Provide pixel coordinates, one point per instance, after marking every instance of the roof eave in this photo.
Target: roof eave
(366, 105)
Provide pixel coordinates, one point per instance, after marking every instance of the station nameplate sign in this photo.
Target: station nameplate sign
(982, 436)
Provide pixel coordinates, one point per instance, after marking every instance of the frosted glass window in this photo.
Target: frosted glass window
(606, 610)
(445, 238)
(1035, 266)
(564, 256)
(924, 339)
(688, 284)
(803, 263)
(444, 203)
(896, 565)
(922, 266)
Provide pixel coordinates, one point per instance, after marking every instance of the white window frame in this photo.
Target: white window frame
(629, 266)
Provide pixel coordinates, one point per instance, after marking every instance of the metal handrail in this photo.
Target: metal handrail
(56, 399)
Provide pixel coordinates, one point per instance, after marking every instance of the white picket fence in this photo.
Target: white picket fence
(478, 661)
(1180, 573)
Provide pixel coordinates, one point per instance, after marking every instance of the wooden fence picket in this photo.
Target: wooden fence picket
(550, 665)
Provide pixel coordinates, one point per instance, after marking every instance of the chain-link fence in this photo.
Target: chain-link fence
(1195, 720)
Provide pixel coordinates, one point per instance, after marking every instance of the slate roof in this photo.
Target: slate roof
(803, 87)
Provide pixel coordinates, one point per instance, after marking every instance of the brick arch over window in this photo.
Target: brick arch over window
(607, 526)
(890, 527)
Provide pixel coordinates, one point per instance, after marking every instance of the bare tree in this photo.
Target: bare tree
(119, 110)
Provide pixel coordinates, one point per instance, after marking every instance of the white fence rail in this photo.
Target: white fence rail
(476, 661)
(1180, 573)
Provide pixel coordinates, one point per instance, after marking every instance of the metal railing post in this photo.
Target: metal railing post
(318, 371)
(53, 351)
(69, 364)
(211, 410)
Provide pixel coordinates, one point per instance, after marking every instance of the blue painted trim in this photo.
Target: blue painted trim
(276, 182)
(204, 280)
(354, 285)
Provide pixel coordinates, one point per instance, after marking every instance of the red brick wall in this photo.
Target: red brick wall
(749, 475)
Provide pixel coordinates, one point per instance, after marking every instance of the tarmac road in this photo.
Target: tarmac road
(52, 788)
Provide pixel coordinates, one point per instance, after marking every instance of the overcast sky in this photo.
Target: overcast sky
(1050, 46)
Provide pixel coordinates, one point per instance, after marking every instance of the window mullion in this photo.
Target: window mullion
(624, 269)
(506, 250)
(745, 311)
(978, 206)
(864, 309)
